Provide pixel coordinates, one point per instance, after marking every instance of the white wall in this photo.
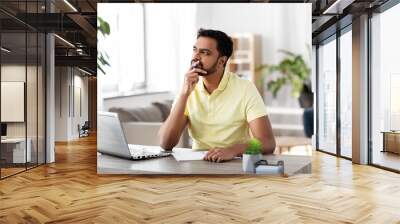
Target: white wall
(281, 26)
(61, 103)
(15, 72)
(67, 114)
(80, 83)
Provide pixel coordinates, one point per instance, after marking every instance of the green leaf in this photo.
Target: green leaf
(102, 60)
(101, 68)
(275, 85)
(104, 27)
(293, 70)
(254, 147)
(102, 57)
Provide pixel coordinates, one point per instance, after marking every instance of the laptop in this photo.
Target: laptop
(111, 140)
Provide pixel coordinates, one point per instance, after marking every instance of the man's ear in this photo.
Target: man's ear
(223, 60)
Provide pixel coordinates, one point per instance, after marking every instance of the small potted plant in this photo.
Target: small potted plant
(252, 155)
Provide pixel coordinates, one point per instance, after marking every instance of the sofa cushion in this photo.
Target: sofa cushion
(147, 114)
(164, 107)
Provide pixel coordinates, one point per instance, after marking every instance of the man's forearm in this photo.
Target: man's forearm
(239, 149)
(173, 126)
(268, 145)
(178, 111)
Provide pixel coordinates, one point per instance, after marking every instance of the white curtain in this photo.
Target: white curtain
(170, 35)
(125, 47)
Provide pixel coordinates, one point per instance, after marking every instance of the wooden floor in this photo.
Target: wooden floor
(10, 171)
(70, 191)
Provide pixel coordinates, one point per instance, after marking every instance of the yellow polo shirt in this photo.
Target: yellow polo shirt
(221, 119)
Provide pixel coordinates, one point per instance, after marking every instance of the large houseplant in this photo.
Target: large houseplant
(294, 71)
(102, 58)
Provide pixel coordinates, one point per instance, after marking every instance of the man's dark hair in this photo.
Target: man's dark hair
(224, 42)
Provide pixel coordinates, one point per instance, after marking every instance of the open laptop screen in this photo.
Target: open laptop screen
(110, 136)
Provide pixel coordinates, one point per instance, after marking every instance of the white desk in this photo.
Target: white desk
(18, 149)
(168, 165)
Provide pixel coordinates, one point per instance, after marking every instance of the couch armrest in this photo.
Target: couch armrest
(145, 133)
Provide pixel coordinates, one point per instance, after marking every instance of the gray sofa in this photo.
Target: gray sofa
(141, 124)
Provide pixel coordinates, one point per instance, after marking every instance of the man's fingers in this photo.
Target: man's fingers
(197, 70)
(207, 157)
(210, 151)
(209, 154)
(215, 156)
(192, 80)
(192, 75)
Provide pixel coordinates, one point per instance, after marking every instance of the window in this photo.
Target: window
(170, 34)
(385, 88)
(124, 46)
(22, 75)
(346, 94)
(327, 96)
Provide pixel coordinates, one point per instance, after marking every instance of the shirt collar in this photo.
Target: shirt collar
(222, 84)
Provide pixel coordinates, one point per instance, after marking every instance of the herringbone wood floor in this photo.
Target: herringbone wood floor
(70, 191)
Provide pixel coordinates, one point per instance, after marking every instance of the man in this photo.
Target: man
(221, 108)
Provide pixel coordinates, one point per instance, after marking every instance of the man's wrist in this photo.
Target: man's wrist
(184, 96)
(239, 149)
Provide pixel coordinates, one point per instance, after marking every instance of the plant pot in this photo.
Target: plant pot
(308, 121)
(306, 98)
(248, 162)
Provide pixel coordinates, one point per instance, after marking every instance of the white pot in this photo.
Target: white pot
(249, 161)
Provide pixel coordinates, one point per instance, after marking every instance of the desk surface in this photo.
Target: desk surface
(13, 140)
(390, 132)
(168, 165)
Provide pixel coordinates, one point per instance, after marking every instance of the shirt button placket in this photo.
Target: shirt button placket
(209, 106)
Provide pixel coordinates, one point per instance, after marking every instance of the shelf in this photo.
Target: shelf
(246, 57)
(287, 127)
(240, 61)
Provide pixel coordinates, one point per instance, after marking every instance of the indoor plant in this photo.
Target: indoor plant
(252, 155)
(102, 58)
(293, 70)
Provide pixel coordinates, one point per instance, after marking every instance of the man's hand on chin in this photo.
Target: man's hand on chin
(220, 154)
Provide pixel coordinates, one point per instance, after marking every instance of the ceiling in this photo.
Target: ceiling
(75, 21)
(75, 43)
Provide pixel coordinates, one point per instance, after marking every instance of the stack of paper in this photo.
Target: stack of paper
(189, 155)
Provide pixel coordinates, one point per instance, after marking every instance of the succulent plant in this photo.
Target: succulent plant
(254, 147)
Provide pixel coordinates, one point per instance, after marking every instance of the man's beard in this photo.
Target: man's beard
(209, 71)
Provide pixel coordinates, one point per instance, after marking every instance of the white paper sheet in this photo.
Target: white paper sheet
(187, 156)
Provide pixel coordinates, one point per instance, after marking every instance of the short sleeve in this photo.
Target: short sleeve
(186, 112)
(255, 106)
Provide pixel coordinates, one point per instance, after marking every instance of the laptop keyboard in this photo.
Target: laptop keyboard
(140, 152)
